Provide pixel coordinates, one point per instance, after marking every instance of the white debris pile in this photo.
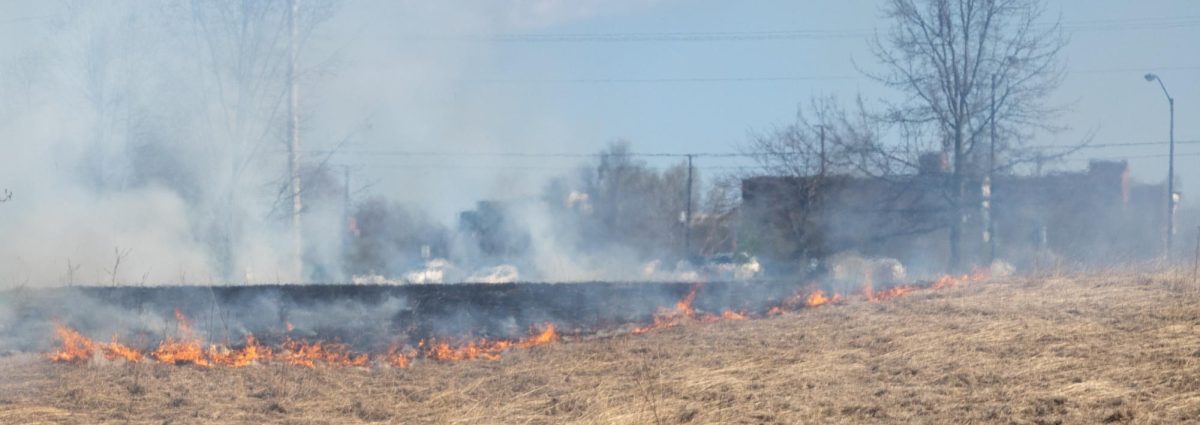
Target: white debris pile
(442, 271)
(849, 267)
(719, 267)
(504, 273)
(682, 272)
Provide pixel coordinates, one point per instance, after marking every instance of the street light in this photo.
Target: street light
(1170, 166)
(989, 231)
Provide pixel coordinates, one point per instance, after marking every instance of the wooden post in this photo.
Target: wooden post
(294, 147)
(1196, 261)
(687, 218)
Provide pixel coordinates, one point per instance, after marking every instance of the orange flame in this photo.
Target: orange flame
(817, 299)
(546, 336)
(185, 350)
(186, 347)
(978, 274)
(116, 350)
(304, 353)
(666, 318)
(733, 315)
(802, 297)
(179, 352)
(395, 357)
(473, 350)
(684, 306)
(893, 292)
(76, 348)
(251, 353)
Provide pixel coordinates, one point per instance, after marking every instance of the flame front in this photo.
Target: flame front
(186, 348)
(817, 299)
(548, 335)
(733, 315)
(396, 357)
(304, 353)
(667, 318)
(249, 354)
(76, 348)
(978, 274)
(116, 350)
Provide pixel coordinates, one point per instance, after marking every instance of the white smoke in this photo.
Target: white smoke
(126, 166)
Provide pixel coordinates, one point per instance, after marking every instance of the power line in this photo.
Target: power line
(21, 19)
(699, 36)
(679, 36)
(538, 155)
(1133, 24)
(402, 153)
(1153, 23)
(769, 79)
(1138, 70)
(1149, 19)
(1161, 155)
(1113, 145)
(492, 167)
(666, 79)
(459, 167)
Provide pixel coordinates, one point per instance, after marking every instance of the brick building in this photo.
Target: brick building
(1095, 216)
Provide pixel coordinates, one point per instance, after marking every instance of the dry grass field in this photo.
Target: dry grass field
(1105, 349)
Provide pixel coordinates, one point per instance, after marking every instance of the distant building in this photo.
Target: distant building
(493, 232)
(1090, 217)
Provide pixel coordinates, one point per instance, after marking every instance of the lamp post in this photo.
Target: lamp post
(1170, 167)
(1004, 67)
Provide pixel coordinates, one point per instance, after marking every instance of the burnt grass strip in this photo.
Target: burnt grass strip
(370, 317)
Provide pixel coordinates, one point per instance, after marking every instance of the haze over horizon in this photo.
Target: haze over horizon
(432, 104)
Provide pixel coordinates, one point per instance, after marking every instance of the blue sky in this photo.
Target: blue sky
(706, 96)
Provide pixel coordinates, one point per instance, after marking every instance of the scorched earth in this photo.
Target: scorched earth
(1115, 348)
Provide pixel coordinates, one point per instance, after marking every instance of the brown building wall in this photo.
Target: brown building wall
(1091, 217)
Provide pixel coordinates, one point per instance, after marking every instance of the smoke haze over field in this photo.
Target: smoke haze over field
(449, 210)
(145, 142)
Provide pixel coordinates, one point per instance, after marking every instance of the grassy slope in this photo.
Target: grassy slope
(1117, 349)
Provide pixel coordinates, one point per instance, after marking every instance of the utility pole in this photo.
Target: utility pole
(1170, 169)
(294, 146)
(345, 224)
(822, 127)
(990, 231)
(1171, 183)
(345, 195)
(687, 218)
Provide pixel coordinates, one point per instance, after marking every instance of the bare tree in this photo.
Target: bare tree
(806, 160)
(964, 66)
(250, 50)
(621, 201)
(715, 222)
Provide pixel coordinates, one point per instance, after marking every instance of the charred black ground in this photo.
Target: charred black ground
(368, 317)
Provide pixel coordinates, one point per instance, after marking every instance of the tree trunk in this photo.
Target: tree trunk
(956, 198)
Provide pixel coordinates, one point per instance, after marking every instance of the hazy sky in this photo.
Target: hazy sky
(447, 92)
(466, 77)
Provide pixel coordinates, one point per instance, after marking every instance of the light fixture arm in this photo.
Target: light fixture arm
(1164, 89)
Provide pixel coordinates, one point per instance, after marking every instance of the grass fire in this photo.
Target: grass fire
(1033, 349)
(581, 212)
(185, 347)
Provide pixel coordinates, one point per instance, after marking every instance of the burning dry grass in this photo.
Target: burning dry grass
(1070, 350)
